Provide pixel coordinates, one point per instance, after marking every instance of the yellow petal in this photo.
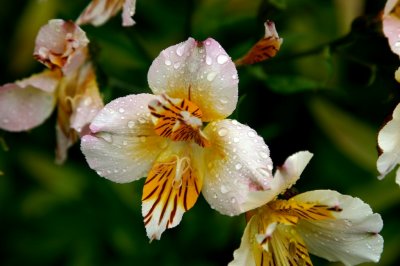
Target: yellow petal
(171, 188)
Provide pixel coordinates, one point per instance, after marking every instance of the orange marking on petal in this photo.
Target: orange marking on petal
(178, 119)
(171, 188)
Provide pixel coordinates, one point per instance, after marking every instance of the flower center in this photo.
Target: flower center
(178, 119)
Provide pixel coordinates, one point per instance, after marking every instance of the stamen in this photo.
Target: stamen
(182, 166)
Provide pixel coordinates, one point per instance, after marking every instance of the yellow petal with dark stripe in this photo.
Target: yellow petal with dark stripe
(171, 188)
(178, 119)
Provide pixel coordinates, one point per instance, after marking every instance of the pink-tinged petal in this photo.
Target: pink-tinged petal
(391, 29)
(99, 11)
(352, 237)
(128, 12)
(87, 101)
(389, 143)
(23, 108)
(200, 71)
(46, 81)
(123, 146)
(61, 44)
(237, 165)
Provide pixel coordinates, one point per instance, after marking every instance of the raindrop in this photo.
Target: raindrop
(208, 60)
(125, 143)
(177, 65)
(223, 100)
(142, 120)
(180, 49)
(238, 166)
(264, 172)
(223, 189)
(234, 76)
(251, 134)
(121, 110)
(233, 200)
(215, 196)
(167, 62)
(211, 76)
(235, 122)
(397, 44)
(87, 101)
(208, 42)
(222, 59)
(222, 132)
(131, 124)
(236, 140)
(263, 155)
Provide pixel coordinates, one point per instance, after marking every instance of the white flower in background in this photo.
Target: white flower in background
(70, 84)
(179, 138)
(322, 222)
(99, 11)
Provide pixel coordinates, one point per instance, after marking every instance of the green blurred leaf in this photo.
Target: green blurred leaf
(353, 137)
(66, 181)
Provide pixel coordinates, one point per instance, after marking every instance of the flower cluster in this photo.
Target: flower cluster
(181, 140)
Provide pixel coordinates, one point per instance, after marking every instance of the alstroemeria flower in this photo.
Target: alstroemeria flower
(389, 145)
(70, 84)
(265, 48)
(99, 11)
(322, 222)
(180, 140)
(61, 44)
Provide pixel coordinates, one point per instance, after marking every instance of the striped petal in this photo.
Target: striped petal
(123, 145)
(352, 237)
(171, 188)
(200, 71)
(237, 166)
(99, 12)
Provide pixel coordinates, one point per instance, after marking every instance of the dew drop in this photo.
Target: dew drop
(251, 134)
(397, 44)
(215, 196)
(121, 110)
(223, 100)
(233, 200)
(264, 172)
(87, 101)
(263, 155)
(142, 120)
(238, 166)
(223, 189)
(208, 42)
(168, 62)
(180, 50)
(124, 143)
(211, 76)
(234, 76)
(177, 65)
(234, 122)
(236, 140)
(131, 124)
(222, 132)
(208, 60)
(222, 59)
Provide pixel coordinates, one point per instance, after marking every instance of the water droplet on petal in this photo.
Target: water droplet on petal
(251, 134)
(233, 200)
(142, 120)
(223, 189)
(222, 132)
(224, 100)
(236, 140)
(222, 59)
(87, 101)
(180, 50)
(207, 42)
(168, 62)
(211, 76)
(208, 60)
(121, 110)
(131, 124)
(263, 155)
(234, 76)
(177, 65)
(238, 166)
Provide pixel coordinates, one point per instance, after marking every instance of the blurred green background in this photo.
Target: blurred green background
(328, 91)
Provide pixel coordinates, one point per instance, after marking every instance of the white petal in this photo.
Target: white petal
(352, 237)
(124, 145)
(389, 143)
(128, 12)
(389, 6)
(204, 69)
(398, 176)
(237, 165)
(391, 24)
(99, 11)
(23, 108)
(243, 256)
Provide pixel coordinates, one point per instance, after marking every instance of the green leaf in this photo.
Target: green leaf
(353, 137)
